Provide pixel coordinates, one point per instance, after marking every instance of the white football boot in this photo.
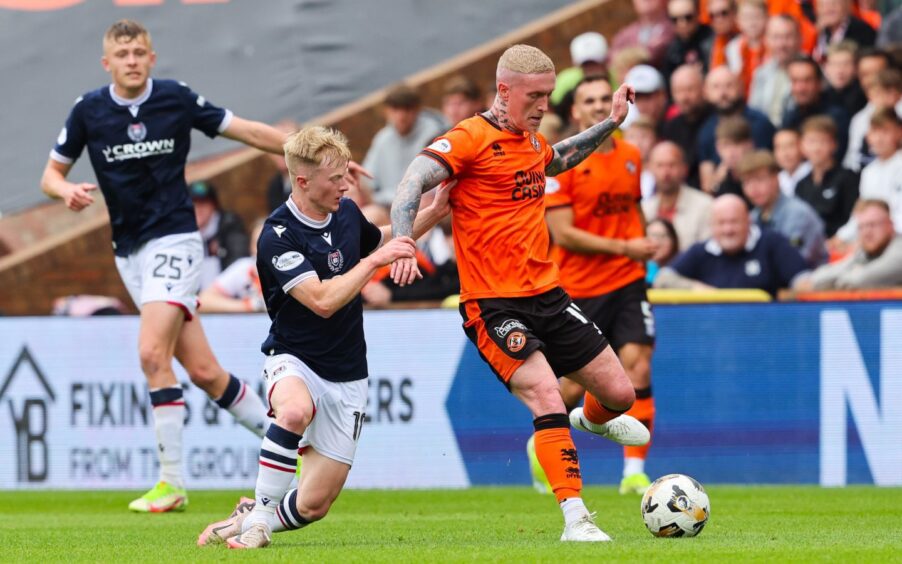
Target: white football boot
(258, 535)
(584, 530)
(623, 429)
(219, 532)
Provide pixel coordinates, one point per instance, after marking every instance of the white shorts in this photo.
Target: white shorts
(165, 270)
(339, 407)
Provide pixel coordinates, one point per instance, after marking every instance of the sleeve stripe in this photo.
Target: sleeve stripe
(226, 121)
(438, 158)
(297, 280)
(60, 158)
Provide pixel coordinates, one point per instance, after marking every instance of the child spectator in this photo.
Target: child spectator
(788, 153)
(884, 90)
(733, 141)
(808, 99)
(830, 189)
(842, 80)
(745, 52)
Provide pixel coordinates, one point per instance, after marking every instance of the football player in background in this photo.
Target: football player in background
(137, 131)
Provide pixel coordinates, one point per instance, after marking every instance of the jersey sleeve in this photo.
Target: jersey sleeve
(558, 190)
(454, 150)
(549, 150)
(205, 117)
(72, 138)
(284, 261)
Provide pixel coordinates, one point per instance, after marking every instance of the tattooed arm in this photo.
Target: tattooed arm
(422, 174)
(573, 150)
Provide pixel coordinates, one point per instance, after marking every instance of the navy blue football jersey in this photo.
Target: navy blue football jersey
(293, 248)
(138, 149)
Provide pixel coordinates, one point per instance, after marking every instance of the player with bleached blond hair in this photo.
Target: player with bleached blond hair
(315, 254)
(514, 310)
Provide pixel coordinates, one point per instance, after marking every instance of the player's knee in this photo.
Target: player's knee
(153, 358)
(204, 375)
(544, 397)
(316, 511)
(621, 397)
(295, 418)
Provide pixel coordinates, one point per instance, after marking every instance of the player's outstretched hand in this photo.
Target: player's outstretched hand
(640, 249)
(78, 196)
(624, 96)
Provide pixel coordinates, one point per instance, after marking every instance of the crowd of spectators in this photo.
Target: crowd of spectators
(761, 126)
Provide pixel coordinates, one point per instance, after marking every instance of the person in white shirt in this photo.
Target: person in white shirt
(793, 166)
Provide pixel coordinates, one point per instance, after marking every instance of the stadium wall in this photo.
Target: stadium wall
(753, 393)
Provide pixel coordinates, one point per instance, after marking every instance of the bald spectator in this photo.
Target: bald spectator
(739, 254)
(651, 96)
(724, 91)
(693, 41)
(807, 99)
(408, 131)
(787, 215)
(876, 263)
(687, 90)
(461, 98)
(687, 209)
(835, 23)
(651, 30)
(770, 88)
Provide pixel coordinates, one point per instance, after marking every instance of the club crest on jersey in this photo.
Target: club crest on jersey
(516, 341)
(535, 143)
(137, 132)
(335, 260)
(752, 268)
(508, 326)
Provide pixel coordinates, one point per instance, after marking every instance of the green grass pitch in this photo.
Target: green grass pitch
(762, 524)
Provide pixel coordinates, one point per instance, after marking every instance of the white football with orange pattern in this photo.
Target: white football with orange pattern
(675, 505)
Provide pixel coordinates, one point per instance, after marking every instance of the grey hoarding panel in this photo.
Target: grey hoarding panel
(264, 59)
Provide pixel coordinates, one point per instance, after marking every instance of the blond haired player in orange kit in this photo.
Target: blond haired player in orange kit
(598, 229)
(524, 324)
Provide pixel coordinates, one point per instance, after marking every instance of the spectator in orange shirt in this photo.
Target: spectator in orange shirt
(600, 248)
(722, 15)
(746, 51)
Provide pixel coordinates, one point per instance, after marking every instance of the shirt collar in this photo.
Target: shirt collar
(305, 219)
(132, 101)
(713, 247)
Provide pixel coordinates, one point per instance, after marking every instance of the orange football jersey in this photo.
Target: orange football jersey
(498, 209)
(604, 193)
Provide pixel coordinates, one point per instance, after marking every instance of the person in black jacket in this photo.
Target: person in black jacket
(224, 236)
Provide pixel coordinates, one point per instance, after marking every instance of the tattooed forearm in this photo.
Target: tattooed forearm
(422, 174)
(573, 150)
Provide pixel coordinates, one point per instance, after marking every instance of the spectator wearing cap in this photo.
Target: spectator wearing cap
(739, 254)
(693, 41)
(835, 21)
(807, 99)
(787, 215)
(875, 263)
(409, 129)
(769, 92)
(651, 96)
(223, 233)
(724, 92)
(652, 30)
(589, 53)
(461, 98)
(688, 92)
